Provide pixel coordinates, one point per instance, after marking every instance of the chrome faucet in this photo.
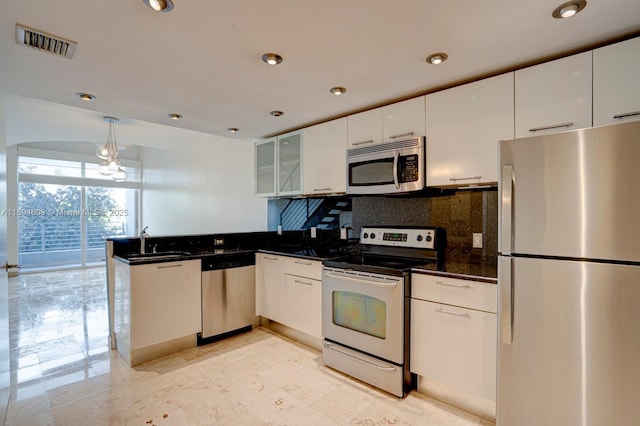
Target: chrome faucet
(143, 239)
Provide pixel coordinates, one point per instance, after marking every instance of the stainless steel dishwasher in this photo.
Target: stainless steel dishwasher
(228, 294)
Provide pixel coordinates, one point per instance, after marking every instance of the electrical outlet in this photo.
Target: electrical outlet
(313, 232)
(477, 240)
(279, 229)
(218, 242)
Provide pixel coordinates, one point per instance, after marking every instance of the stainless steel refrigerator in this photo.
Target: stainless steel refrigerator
(569, 279)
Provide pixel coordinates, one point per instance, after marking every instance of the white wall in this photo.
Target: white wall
(201, 187)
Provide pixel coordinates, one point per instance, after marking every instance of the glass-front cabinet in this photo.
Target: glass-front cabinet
(265, 168)
(278, 166)
(290, 164)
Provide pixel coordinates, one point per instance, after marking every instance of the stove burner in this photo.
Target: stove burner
(393, 253)
(378, 264)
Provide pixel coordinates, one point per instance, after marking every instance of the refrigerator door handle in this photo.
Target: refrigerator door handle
(505, 290)
(507, 209)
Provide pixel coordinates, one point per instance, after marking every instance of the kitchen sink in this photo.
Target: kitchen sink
(162, 255)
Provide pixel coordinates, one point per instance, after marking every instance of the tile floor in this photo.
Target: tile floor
(62, 373)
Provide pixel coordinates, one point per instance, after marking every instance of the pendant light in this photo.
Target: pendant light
(109, 152)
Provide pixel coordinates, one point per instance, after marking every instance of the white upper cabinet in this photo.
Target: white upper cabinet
(616, 83)
(365, 128)
(554, 96)
(289, 163)
(463, 127)
(325, 158)
(265, 168)
(403, 120)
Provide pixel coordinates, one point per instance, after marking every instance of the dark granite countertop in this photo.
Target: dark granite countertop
(307, 253)
(467, 271)
(177, 256)
(285, 250)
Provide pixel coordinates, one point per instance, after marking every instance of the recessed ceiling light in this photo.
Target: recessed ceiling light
(337, 90)
(174, 116)
(276, 113)
(437, 58)
(233, 129)
(568, 9)
(160, 5)
(85, 96)
(271, 58)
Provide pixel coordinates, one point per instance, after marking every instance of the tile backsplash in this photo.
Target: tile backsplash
(461, 213)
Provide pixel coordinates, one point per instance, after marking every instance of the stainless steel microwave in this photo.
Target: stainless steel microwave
(387, 168)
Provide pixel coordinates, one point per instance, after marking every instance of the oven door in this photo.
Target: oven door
(364, 311)
(386, 168)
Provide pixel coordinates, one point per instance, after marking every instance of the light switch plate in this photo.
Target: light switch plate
(477, 240)
(279, 229)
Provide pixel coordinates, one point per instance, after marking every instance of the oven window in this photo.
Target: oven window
(360, 312)
(373, 172)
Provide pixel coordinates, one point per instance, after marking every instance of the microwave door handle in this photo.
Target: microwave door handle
(396, 157)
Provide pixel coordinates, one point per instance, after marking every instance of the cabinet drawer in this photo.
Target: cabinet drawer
(452, 291)
(304, 268)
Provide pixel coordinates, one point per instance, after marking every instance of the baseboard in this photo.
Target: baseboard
(292, 333)
(474, 404)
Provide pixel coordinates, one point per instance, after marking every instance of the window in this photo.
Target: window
(66, 209)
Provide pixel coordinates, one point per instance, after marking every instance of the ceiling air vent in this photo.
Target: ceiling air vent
(40, 40)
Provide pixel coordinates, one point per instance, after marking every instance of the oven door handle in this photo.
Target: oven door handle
(380, 367)
(396, 157)
(369, 281)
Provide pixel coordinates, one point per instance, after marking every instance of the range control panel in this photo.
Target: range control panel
(399, 237)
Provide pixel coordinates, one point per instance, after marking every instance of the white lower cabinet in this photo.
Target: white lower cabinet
(303, 301)
(453, 348)
(270, 286)
(289, 291)
(156, 303)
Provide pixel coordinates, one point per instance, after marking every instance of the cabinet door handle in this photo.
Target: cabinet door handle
(442, 311)
(626, 114)
(302, 282)
(453, 285)
(322, 189)
(363, 361)
(402, 135)
(363, 142)
(554, 126)
(270, 258)
(179, 265)
(302, 263)
(465, 178)
(371, 281)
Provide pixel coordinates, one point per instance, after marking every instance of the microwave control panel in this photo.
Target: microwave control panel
(408, 168)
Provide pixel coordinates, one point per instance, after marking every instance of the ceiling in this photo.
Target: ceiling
(202, 60)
